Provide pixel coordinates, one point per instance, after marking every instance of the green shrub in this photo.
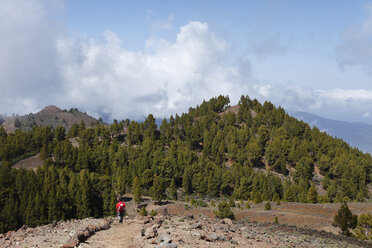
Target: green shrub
(224, 211)
(247, 205)
(201, 203)
(232, 202)
(193, 202)
(362, 230)
(143, 211)
(276, 220)
(153, 212)
(268, 206)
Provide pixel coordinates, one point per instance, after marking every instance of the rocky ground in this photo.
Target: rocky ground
(53, 235)
(179, 225)
(171, 231)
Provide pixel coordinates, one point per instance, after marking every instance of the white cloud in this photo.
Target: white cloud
(111, 81)
(337, 103)
(40, 66)
(28, 55)
(356, 48)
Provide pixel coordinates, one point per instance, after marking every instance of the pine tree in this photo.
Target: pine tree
(84, 202)
(60, 133)
(345, 219)
(159, 188)
(137, 190)
(312, 195)
(173, 190)
(289, 194)
(268, 206)
(224, 211)
(186, 180)
(9, 215)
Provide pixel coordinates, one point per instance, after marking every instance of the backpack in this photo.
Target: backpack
(121, 207)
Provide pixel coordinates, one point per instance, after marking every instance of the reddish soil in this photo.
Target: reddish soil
(303, 215)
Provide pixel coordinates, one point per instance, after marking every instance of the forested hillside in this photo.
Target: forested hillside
(249, 151)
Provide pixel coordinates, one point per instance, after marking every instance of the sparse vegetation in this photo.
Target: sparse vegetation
(363, 229)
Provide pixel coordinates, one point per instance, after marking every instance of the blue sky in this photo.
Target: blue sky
(126, 59)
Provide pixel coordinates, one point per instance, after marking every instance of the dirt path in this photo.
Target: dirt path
(125, 234)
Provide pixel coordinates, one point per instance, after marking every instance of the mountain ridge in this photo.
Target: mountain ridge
(51, 116)
(357, 134)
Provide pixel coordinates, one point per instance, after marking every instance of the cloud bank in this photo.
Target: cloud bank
(41, 65)
(28, 58)
(163, 79)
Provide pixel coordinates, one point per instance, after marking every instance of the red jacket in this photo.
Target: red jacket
(120, 206)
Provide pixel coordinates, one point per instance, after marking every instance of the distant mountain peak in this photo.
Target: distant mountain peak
(50, 109)
(51, 116)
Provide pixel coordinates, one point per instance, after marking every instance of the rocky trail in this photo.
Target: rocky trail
(174, 226)
(191, 231)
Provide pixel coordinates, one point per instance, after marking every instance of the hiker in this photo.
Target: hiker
(120, 208)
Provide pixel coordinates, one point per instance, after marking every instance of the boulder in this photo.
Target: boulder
(158, 222)
(106, 225)
(190, 216)
(197, 226)
(151, 232)
(163, 238)
(93, 228)
(211, 237)
(79, 236)
(234, 242)
(70, 243)
(227, 221)
(148, 220)
(167, 245)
